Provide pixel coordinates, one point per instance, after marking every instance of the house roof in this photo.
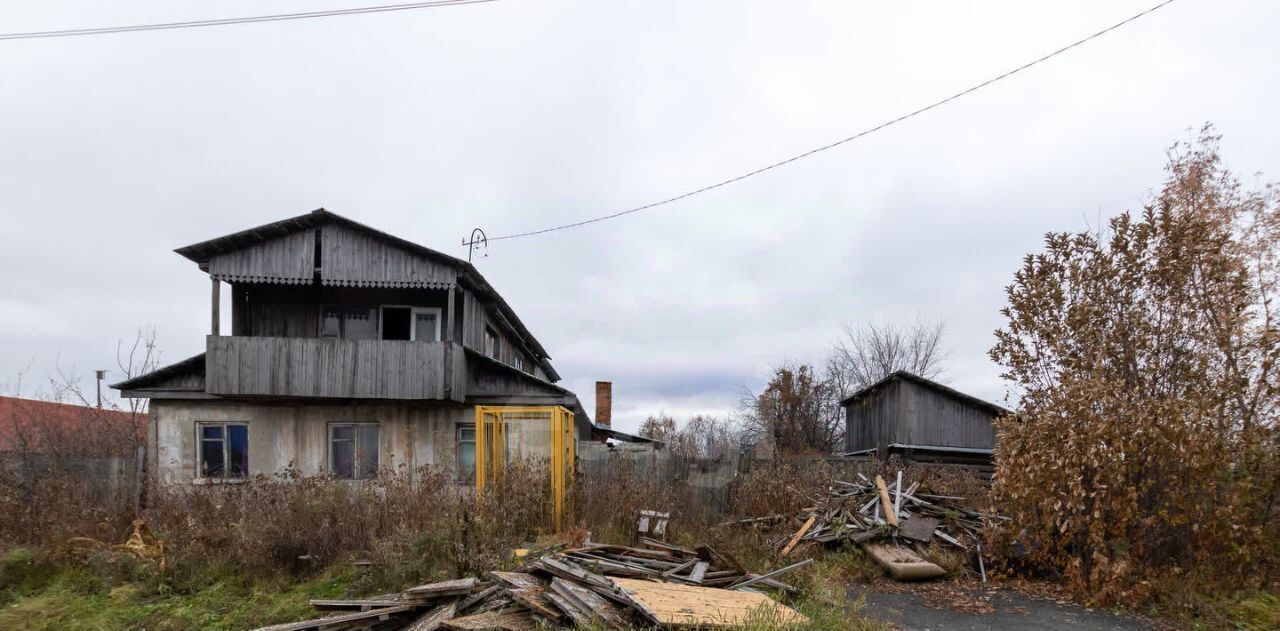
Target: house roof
(146, 380)
(201, 252)
(23, 420)
(903, 375)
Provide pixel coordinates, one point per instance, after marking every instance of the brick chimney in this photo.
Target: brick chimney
(604, 402)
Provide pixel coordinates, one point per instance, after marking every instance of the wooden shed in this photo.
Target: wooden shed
(920, 419)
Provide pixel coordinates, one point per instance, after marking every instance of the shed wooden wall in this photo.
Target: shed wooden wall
(908, 413)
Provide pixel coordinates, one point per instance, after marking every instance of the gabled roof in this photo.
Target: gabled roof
(201, 252)
(903, 375)
(187, 366)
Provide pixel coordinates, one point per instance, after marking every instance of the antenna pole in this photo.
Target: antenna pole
(477, 239)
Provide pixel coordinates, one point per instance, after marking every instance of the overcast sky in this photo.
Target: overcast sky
(519, 114)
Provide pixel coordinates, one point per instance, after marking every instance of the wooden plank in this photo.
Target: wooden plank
(499, 620)
(432, 619)
(517, 580)
(534, 599)
(795, 539)
(478, 597)
(766, 578)
(445, 588)
(589, 602)
(903, 564)
(699, 571)
(579, 617)
(357, 604)
(889, 515)
(705, 607)
(383, 613)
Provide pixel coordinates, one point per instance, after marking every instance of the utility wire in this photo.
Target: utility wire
(279, 17)
(837, 143)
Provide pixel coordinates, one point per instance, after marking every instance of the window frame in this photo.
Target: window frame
(226, 451)
(413, 322)
(342, 328)
(458, 441)
(355, 452)
(517, 362)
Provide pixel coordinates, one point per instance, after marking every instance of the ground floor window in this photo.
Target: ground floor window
(466, 450)
(223, 450)
(353, 450)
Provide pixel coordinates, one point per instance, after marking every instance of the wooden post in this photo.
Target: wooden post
(448, 318)
(447, 338)
(217, 305)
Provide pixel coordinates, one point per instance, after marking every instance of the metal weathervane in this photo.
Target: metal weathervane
(477, 239)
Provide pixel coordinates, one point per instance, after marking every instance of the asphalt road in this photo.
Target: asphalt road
(1000, 610)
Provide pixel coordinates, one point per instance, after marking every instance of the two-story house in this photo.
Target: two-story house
(350, 350)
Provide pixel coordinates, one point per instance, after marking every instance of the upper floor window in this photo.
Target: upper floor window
(223, 451)
(349, 323)
(490, 342)
(518, 363)
(420, 324)
(353, 450)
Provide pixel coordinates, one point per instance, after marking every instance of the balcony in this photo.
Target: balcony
(337, 368)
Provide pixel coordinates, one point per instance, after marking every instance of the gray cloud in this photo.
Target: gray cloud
(516, 115)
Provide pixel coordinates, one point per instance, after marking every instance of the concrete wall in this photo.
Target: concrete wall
(285, 434)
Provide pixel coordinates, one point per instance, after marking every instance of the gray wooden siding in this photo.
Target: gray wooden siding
(301, 367)
(908, 413)
(294, 311)
(288, 259)
(476, 318)
(349, 257)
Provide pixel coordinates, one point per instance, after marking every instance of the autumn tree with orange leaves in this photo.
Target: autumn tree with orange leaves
(1145, 356)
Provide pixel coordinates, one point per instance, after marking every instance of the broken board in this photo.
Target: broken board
(903, 564)
(705, 607)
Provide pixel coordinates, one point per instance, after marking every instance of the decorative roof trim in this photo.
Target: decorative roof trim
(415, 284)
(277, 280)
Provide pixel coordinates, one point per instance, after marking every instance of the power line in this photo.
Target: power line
(837, 143)
(279, 17)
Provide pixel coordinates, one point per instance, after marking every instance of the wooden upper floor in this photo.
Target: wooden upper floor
(322, 306)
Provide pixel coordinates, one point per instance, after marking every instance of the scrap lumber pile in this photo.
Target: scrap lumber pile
(886, 519)
(871, 509)
(616, 586)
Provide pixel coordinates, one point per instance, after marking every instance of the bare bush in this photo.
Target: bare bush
(870, 352)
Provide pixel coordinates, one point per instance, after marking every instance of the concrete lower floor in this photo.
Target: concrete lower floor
(196, 441)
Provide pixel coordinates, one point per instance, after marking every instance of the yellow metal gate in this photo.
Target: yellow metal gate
(507, 432)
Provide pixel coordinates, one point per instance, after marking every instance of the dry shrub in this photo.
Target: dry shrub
(609, 505)
(1145, 451)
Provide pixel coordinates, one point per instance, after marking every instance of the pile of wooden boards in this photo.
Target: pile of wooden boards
(893, 516)
(617, 586)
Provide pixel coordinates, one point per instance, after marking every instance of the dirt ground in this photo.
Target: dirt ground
(950, 607)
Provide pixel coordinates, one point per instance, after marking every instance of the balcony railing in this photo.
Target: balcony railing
(327, 367)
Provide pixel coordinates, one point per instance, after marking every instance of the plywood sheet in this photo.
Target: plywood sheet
(687, 605)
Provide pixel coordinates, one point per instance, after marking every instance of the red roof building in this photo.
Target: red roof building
(39, 426)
